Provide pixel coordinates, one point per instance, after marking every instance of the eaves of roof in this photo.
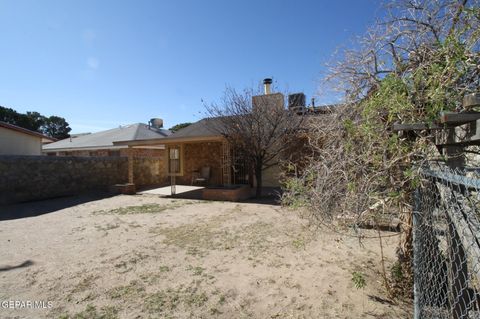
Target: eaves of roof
(25, 131)
(172, 140)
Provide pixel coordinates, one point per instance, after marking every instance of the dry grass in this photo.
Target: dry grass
(146, 208)
(147, 257)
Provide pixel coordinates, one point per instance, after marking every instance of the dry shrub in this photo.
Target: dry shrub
(421, 60)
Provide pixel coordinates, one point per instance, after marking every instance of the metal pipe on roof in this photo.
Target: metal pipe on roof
(267, 85)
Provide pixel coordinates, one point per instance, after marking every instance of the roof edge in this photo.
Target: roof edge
(170, 140)
(25, 131)
(85, 148)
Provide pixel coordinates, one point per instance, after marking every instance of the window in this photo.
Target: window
(174, 161)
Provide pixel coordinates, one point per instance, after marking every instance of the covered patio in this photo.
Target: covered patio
(198, 157)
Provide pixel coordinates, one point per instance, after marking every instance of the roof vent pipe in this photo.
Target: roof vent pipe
(266, 85)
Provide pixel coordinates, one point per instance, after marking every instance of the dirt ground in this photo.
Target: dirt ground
(148, 257)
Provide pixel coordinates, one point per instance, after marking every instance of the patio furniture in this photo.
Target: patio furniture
(202, 176)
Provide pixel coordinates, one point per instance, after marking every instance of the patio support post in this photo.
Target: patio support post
(130, 165)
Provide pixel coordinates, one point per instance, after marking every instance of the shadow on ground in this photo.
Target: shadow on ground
(265, 200)
(270, 196)
(36, 208)
(26, 263)
(193, 194)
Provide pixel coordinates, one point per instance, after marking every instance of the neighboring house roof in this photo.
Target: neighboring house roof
(26, 131)
(198, 131)
(79, 134)
(106, 139)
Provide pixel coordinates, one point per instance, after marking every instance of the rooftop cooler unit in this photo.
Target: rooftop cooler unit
(296, 103)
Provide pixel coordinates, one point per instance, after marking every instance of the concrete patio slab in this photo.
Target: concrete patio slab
(167, 190)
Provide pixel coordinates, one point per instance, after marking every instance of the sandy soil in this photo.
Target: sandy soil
(150, 257)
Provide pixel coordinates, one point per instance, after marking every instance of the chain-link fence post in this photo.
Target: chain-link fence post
(458, 275)
(446, 247)
(416, 254)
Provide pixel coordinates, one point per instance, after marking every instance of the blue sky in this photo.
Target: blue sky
(101, 64)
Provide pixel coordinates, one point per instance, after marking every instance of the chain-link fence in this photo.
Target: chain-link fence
(447, 244)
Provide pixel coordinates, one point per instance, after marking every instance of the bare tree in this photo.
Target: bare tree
(410, 38)
(256, 124)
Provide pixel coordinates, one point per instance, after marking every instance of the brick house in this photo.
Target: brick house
(197, 146)
(191, 148)
(145, 160)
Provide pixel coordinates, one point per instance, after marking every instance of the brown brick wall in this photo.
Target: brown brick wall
(144, 152)
(231, 195)
(197, 155)
(123, 152)
(149, 171)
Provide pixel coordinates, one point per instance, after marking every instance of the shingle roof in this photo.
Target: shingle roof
(202, 128)
(205, 130)
(132, 132)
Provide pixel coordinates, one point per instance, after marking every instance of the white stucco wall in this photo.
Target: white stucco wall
(271, 176)
(16, 143)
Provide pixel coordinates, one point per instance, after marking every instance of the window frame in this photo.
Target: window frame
(180, 160)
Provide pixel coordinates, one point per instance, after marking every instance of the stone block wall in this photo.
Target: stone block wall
(149, 171)
(26, 178)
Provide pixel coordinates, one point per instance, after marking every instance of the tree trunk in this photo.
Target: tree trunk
(258, 177)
